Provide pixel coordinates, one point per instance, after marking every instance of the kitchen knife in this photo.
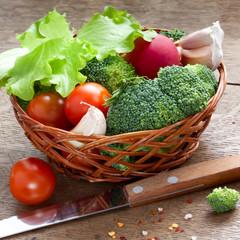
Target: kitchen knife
(161, 186)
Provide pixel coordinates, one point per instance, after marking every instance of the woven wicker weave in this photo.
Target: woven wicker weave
(182, 138)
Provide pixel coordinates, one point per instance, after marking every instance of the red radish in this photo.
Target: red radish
(148, 57)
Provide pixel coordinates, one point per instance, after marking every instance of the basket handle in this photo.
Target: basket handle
(184, 180)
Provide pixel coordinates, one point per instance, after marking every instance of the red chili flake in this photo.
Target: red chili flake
(153, 213)
(234, 122)
(160, 220)
(114, 219)
(181, 230)
(153, 222)
(139, 222)
(177, 229)
(156, 238)
(149, 239)
(123, 238)
(161, 212)
(189, 201)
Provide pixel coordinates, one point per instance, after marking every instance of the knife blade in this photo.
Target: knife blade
(164, 185)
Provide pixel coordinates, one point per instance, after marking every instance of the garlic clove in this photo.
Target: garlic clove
(196, 39)
(92, 123)
(201, 55)
(208, 39)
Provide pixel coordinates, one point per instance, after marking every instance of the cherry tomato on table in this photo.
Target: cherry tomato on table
(48, 109)
(32, 180)
(78, 101)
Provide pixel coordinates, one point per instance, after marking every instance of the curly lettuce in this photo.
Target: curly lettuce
(51, 56)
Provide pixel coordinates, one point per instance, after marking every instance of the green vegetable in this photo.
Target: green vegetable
(152, 104)
(113, 32)
(175, 34)
(223, 199)
(50, 55)
(207, 76)
(126, 158)
(110, 72)
(7, 60)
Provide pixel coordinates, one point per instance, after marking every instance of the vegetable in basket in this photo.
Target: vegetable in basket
(203, 47)
(50, 55)
(149, 57)
(223, 199)
(175, 94)
(109, 72)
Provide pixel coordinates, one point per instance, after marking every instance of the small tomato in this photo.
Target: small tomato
(48, 109)
(78, 101)
(32, 180)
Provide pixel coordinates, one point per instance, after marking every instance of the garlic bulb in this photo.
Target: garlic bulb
(92, 123)
(203, 47)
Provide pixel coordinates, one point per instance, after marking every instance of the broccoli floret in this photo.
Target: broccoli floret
(152, 104)
(109, 72)
(207, 76)
(175, 34)
(223, 199)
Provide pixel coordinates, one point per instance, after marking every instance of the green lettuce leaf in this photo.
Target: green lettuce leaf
(53, 25)
(113, 32)
(53, 62)
(7, 60)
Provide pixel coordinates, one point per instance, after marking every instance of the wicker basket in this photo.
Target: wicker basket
(182, 138)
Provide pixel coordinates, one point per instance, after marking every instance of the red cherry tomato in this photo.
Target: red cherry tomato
(32, 180)
(76, 104)
(48, 109)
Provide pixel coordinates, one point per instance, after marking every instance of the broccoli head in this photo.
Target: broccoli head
(109, 72)
(175, 94)
(174, 34)
(207, 77)
(223, 199)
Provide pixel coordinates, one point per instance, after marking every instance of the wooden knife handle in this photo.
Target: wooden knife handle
(184, 180)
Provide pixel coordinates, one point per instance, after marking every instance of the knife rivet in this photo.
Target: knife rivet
(138, 189)
(172, 179)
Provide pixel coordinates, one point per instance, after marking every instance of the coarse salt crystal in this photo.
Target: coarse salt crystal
(193, 238)
(160, 209)
(144, 233)
(188, 215)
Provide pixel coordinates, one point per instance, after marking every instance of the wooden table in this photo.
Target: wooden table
(220, 139)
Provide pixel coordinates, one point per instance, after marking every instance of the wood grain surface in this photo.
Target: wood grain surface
(220, 139)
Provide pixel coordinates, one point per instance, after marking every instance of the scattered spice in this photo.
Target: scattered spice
(160, 220)
(161, 212)
(177, 229)
(174, 225)
(160, 209)
(188, 216)
(123, 238)
(234, 122)
(153, 222)
(139, 222)
(193, 237)
(114, 219)
(189, 201)
(153, 212)
(120, 224)
(181, 230)
(144, 233)
(111, 234)
(170, 228)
